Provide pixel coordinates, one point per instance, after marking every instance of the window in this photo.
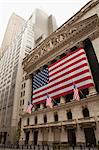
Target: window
(21, 94)
(45, 119)
(23, 101)
(83, 93)
(19, 123)
(86, 112)
(68, 97)
(35, 120)
(28, 121)
(55, 116)
(24, 85)
(69, 115)
(37, 106)
(56, 101)
(44, 104)
(20, 103)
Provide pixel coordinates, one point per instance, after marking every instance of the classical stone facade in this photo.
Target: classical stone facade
(71, 121)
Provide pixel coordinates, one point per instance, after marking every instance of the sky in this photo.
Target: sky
(61, 9)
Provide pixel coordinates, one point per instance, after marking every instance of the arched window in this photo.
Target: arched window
(55, 117)
(28, 121)
(23, 101)
(45, 119)
(35, 120)
(85, 112)
(19, 123)
(69, 115)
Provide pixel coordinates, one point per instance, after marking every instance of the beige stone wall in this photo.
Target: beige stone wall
(60, 134)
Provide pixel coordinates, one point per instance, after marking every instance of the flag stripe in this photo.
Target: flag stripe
(62, 74)
(57, 88)
(68, 64)
(66, 58)
(63, 92)
(64, 80)
(69, 71)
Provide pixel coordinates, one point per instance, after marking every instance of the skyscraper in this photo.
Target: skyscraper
(33, 32)
(14, 26)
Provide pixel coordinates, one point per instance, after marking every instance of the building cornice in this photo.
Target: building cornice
(58, 43)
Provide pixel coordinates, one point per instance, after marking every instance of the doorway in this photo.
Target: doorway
(5, 135)
(71, 136)
(27, 138)
(90, 136)
(0, 137)
(35, 137)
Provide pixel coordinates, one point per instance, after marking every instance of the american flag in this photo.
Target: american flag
(76, 93)
(29, 108)
(49, 102)
(57, 79)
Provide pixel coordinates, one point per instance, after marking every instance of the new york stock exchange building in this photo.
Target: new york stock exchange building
(69, 56)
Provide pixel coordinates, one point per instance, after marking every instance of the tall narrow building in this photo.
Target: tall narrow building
(33, 32)
(14, 26)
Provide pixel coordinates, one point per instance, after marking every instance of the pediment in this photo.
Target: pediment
(59, 41)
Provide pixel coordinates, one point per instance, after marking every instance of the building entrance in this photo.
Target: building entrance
(27, 138)
(71, 136)
(90, 136)
(35, 137)
(5, 136)
(0, 137)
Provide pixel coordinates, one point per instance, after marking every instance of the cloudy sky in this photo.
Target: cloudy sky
(61, 9)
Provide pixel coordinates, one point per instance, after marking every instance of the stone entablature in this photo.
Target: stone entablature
(59, 42)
